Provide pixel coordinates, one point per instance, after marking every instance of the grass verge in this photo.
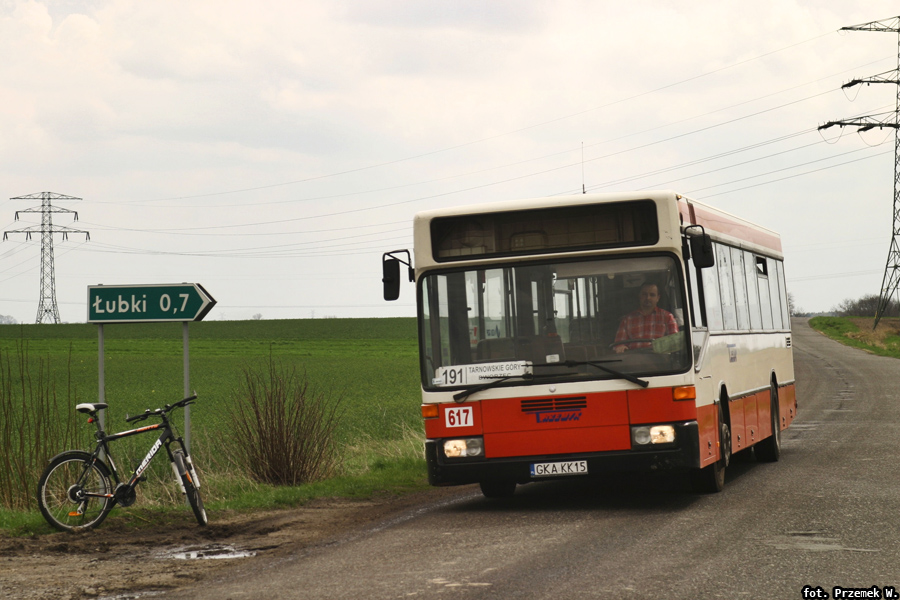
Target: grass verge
(858, 333)
(384, 475)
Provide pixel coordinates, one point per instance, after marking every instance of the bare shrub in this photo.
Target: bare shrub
(33, 426)
(284, 428)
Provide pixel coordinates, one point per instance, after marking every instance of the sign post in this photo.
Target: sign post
(154, 303)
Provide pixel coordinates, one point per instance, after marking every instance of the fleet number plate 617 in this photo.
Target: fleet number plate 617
(458, 417)
(574, 467)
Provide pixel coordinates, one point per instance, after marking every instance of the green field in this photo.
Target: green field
(370, 364)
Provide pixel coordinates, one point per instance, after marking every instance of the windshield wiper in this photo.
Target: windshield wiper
(460, 396)
(598, 364)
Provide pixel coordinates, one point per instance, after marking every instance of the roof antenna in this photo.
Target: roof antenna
(583, 190)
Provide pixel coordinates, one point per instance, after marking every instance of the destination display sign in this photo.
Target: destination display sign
(479, 373)
(152, 303)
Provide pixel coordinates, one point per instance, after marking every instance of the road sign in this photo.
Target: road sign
(148, 303)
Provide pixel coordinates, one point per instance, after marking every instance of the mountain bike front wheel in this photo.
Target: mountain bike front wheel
(191, 491)
(72, 492)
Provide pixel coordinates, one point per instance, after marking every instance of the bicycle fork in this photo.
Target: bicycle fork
(191, 474)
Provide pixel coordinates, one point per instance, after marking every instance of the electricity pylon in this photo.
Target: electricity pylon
(47, 306)
(891, 120)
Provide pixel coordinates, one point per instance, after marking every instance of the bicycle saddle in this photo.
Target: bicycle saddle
(88, 408)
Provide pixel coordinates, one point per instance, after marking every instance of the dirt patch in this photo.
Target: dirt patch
(122, 559)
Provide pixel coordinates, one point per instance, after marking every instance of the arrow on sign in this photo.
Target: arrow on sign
(148, 303)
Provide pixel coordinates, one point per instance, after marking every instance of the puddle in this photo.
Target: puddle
(208, 552)
(807, 426)
(812, 541)
(132, 595)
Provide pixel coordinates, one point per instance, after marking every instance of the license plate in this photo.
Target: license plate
(553, 469)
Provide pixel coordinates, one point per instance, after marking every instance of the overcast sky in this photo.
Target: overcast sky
(271, 151)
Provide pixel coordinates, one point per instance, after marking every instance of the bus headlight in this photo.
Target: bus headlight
(463, 448)
(644, 435)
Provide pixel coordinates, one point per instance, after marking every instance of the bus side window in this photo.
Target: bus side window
(765, 300)
(711, 297)
(694, 277)
(752, 290)
(726, 286)
(740, 289)
(782, 285)
(775, 294)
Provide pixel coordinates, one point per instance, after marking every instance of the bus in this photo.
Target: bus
(575, 336)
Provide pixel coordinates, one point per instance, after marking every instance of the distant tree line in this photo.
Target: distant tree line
(866, 306)
(4, 320)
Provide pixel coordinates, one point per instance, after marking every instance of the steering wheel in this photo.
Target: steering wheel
(632, 341)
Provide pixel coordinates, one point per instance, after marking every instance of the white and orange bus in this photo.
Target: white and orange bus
(531, 368)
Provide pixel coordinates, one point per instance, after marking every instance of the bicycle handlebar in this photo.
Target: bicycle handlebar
(161, 411)
(138, 417)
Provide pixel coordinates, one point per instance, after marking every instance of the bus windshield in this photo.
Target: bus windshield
(549, 321)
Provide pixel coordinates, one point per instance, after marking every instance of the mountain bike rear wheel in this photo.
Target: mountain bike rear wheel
(190, 489)
(70, 489)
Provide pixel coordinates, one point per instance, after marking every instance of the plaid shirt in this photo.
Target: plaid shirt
(636, 326)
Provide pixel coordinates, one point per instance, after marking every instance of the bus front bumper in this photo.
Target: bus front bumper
(443, 471)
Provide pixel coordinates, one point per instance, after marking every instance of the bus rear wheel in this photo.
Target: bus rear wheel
(769, 450)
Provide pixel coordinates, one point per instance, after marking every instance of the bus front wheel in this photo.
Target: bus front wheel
(711, 479)
(498, 489)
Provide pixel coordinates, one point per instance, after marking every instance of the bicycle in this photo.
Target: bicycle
(75, 492)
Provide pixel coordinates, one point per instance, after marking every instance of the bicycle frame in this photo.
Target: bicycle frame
(166, 438)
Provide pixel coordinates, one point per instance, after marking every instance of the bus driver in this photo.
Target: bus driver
(648, 322)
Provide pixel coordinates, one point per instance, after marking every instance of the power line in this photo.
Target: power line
(797, 166)
(833, 275)
(789, 176)
(492, 183)
(341, 250)
(318, 246)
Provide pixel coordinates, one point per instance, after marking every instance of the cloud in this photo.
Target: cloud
(493, 17)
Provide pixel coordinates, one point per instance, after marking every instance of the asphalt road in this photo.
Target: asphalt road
(824, 516)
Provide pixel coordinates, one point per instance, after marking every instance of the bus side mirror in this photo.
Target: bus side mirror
(390, 269)
(391, 278)
(702, 251)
